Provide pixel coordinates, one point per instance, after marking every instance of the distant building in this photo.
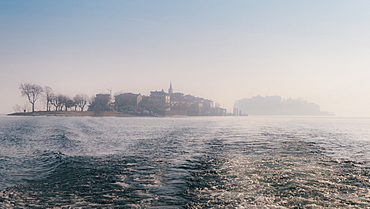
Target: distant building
(162, 103)
(218, 111)
(170, 90)
(181, 104)
(127, 102)
(160, 98)
(157, 103)
(103, 98)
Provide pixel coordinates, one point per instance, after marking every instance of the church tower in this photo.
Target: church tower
(170, 90)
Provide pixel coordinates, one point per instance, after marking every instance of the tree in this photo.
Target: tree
(69, 103)
(32, 91)
(54, 101)
(80, 100)
(48, 95)
(62, 101)
(100, 103)
(58, 101)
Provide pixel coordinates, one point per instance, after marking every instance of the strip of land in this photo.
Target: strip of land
(73, 113)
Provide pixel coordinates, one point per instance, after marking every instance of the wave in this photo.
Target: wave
(183, 163)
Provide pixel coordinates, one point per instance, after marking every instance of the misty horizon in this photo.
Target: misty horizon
(184, 104)
(256, 105)
(221, 50)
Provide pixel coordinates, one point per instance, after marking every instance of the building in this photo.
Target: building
(157, 103)
(170, 90)
(164, 104)
(127, 102)
(190, 105)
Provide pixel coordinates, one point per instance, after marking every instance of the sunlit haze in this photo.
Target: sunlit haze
(219, 50)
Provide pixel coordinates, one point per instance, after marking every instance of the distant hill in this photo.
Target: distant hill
(275, 105)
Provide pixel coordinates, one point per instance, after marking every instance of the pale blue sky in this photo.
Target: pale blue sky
(220, 50)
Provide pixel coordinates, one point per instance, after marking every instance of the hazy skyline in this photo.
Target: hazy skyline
(219, 50)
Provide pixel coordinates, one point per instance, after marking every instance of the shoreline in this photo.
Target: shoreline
(96, 114)
(75, 114)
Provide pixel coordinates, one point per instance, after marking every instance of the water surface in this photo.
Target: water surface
(206, 162)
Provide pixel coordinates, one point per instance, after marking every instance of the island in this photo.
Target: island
(276, 105)
(157, 104)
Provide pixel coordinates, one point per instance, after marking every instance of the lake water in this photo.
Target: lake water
(206, 162)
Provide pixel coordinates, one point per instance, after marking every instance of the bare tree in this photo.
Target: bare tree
(54, 101)
(80, 100)
(48, 95)
(32, 91)
(58, 101)
(63, 101)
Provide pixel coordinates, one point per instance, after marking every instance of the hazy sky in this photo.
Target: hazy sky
(222, 50)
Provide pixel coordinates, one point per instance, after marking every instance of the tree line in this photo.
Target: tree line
(59, 101)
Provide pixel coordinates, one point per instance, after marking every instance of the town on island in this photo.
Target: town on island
(158, 103)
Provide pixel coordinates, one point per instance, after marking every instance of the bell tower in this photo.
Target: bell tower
(170, 90)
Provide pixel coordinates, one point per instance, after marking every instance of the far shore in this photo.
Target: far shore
(91, 114)
(74, 114)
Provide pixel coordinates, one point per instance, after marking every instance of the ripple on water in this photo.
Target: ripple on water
(182, 163)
